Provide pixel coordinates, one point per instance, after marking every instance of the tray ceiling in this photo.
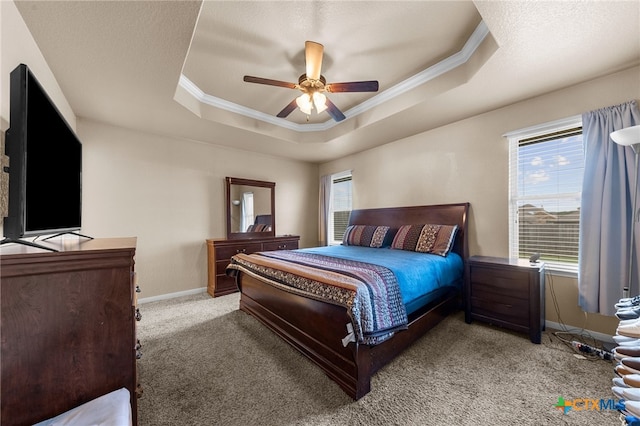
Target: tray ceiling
(176, 68)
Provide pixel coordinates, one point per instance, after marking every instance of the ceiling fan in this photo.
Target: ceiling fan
(312, 85)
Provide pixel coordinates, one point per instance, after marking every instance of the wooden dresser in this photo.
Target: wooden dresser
(68, 326)
(506, 292)
(219, 252)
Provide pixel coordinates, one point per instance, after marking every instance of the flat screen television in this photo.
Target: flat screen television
(45, 163)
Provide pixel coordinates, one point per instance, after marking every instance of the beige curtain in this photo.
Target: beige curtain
(325, 208)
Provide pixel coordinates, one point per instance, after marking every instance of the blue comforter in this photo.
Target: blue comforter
(419, 274)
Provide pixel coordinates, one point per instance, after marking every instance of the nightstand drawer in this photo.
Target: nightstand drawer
(498, 298)
(499, 282)
(515, 311)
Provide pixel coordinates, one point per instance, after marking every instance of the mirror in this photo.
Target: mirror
(251, 209)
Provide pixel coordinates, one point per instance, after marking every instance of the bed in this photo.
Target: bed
(343, 335)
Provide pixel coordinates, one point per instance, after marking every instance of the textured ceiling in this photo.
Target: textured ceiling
(233, 39)
(126, 63)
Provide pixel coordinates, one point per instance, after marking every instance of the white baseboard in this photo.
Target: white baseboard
(600, 336)
(172, 295)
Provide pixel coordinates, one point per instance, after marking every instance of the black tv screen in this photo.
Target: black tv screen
(45, 163)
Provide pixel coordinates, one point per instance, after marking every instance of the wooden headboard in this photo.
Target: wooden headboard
(441, 214)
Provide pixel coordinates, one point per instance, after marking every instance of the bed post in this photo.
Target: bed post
(362, 355)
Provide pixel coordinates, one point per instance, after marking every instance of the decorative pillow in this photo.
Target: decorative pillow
(435, 239)
(259, 227)
(366, 236)
(407, 237)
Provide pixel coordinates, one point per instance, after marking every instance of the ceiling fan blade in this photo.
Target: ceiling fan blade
(259, 80)
(334, 112)
(313, 57)
(354, 86)
(288, 109)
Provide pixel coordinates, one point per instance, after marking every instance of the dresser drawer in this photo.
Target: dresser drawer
(225, 285)
(220, 252)
(221, 266)
(228, 251)
(281, 245)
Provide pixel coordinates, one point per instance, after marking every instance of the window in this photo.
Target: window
(545, 181)
(247, 211)
(340, 207)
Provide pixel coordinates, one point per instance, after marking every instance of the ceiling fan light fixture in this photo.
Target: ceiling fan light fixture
(304, 103)
(312, 84)
(320, 101)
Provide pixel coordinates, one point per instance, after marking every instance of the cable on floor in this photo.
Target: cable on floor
(569, 335)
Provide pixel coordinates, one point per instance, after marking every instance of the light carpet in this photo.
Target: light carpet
(207, 363)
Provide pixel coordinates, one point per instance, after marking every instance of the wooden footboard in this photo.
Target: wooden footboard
(316, 329)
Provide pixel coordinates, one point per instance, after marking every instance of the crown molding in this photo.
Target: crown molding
(442, 67)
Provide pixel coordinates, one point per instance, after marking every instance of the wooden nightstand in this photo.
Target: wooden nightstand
(506, 292)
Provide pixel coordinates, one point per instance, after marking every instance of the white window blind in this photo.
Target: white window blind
(341, 195)
(545, 179)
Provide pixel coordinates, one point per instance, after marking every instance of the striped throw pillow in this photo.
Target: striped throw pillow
(435, 239)
(365, 235)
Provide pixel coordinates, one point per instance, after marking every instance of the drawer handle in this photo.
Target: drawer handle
(241, 251)
(138, 354)
(138, 315)
(282, 247)
(138, 345)
(138, 290)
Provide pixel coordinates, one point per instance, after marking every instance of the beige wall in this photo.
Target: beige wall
(170, 194)
(167, 192)
(18, 46)
(468, 161)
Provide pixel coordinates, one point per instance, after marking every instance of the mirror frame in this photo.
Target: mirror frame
(250, 182)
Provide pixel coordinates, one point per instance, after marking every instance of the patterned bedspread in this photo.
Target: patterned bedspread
(369, 292)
